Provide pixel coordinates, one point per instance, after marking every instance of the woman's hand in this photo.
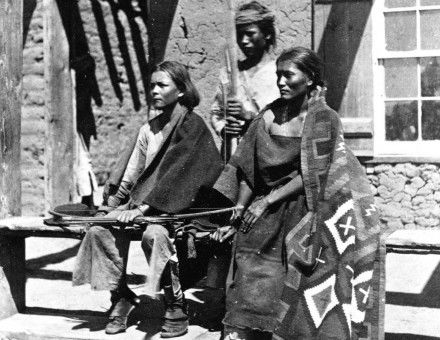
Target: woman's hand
(128, 216)
(254, 212)
(223, 233)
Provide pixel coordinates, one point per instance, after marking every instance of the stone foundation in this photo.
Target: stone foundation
(407, 195)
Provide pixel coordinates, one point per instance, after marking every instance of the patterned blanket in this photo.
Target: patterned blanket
(331, 251)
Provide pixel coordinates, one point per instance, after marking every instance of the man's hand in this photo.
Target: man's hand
(235, 119)
(234, 126)
(128, 216)
(223, 233)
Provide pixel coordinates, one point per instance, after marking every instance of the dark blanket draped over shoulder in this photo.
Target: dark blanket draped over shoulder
(331, 251)
(186, 166)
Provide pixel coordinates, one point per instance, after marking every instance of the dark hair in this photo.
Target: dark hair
(306, 60)
(265, 24)
(182, 79)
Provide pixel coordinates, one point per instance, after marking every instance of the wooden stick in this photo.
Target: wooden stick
(231, 142)
(63, 219)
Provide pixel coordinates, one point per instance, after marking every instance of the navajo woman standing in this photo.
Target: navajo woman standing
(307, 232)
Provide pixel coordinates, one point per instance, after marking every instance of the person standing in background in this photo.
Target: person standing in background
(257, 72)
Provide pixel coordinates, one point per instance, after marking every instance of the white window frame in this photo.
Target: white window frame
(383, 148)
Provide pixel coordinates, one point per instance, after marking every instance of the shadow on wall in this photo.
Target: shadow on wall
(28, 10)
(157, 16)
(340, 43)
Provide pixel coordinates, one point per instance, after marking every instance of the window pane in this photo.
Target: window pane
(430, 76)
(430, 29)
(399, 3)
(430, 120)
(400, 78)
(401, 121)
(400, 31)
(429, 2)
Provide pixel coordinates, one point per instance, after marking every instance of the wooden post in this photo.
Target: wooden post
(59, 108)
(11, 59)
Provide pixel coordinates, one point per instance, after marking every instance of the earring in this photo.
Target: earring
(180, 95)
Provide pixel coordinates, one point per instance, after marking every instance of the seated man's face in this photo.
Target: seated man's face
(164, 91)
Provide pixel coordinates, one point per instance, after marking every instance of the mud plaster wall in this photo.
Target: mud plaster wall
(118, 42)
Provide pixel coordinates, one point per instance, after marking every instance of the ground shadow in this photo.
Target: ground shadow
(429, 297)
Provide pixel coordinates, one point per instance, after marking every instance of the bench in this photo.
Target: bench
(13, 233)
(417, 242)
(15, 230)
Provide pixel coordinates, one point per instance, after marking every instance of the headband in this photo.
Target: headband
(249, 16)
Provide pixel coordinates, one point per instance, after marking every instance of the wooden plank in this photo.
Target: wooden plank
(29, 226)
(357, 127)
(59, 187)
(426, 238)
(11, 59)
(33, 226)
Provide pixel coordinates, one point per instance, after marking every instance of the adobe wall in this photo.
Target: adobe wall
(117, 40)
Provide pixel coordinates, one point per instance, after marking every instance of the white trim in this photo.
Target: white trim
(402, 99)
(383, 54)
(409, 149)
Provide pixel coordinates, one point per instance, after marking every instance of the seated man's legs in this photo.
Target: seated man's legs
(101, 261)
(163, 273)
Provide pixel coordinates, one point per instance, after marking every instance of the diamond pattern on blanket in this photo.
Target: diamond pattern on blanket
(321, 299)
(342, 230)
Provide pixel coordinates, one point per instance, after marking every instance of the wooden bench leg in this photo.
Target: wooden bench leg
(382, 287)
(12, 259)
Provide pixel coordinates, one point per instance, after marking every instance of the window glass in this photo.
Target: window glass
(401, 121)
(430, 120)
(430, 29)
(400, 78)
(430, 76)
(400, 3)
(400, 31)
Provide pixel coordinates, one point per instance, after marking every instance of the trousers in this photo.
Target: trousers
(102, 259)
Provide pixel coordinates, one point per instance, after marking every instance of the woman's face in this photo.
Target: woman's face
(291, 81)
(164, 91)
(251, 40)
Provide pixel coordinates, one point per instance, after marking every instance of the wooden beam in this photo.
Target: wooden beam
(59, 151)
(11, 59)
